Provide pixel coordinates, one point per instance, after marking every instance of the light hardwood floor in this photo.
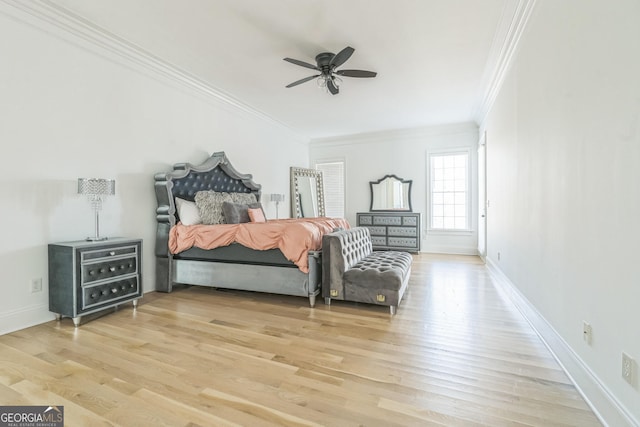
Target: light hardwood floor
(455, 354)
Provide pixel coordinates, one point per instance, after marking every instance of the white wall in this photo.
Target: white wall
(563, 147)
(70, 109)
(368, 157)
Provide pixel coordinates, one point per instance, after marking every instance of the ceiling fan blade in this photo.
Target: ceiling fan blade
(356, 73)
(301, 63)
(341, 57)
(332, 87)
(306, 79)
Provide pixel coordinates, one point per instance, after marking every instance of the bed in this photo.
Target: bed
(267, 268)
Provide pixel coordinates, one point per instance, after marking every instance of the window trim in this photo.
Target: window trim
(449, 231)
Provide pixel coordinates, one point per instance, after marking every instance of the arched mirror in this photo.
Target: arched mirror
(307, 193)
(390, 193)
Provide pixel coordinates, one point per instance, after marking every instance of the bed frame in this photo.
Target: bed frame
(232, 267)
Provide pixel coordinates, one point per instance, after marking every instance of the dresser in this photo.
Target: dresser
(86, 277)
(399, 231)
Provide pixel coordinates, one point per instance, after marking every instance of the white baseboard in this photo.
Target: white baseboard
(26, 317)
(603, 403)
(449, 250)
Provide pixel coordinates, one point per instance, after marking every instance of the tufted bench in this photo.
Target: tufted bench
(351, 271)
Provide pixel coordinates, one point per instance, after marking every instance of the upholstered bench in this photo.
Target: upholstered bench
(351, 271)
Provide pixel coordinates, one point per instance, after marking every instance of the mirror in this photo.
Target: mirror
(307, 193)
(390, 193)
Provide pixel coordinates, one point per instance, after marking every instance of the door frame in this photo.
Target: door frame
(482, 196)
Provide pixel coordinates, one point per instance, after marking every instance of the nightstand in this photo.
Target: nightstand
(86, 276)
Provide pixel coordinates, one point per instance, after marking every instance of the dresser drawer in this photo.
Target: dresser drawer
(402, 231)
(387, 220)
(107, 269)
(404, 242)
(378, 241)
(377, 231)
(88, 255)
(410, 221)
(365, 220)
(95, 295)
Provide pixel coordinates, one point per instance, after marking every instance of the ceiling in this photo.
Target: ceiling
(434, 58)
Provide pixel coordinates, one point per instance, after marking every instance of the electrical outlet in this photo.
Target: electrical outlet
(36, 285)
(498, 256)
(628, 368)
(587, 332)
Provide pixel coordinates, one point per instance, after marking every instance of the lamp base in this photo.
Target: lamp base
(95, 239)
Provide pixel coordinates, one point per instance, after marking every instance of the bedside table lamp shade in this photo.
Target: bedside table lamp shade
(95, 189)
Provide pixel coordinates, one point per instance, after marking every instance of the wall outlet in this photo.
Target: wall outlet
(628, 368)
(36, 285)
(587, 332)
(498, 256)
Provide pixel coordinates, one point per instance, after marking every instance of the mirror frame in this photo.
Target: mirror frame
(403, 181)
(296, 173)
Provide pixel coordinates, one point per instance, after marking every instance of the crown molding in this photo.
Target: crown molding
(73, 28)
(397, 134)
(515, 17)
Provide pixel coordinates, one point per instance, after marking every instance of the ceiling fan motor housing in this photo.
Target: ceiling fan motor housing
(323, 59)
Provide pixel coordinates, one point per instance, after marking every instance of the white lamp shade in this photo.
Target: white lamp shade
(276, 197)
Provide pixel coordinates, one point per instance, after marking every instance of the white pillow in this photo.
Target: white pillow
(188, 212)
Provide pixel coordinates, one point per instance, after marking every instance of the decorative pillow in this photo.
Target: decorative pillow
(209, 204)
(243, 198)
(188, 212)
(256, 215)
(237, 213)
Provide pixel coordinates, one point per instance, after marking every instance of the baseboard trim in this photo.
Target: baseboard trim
(603, 403)
(26, 317)
(450, 250)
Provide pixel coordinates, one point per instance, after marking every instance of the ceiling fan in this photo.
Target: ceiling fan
(327, 63)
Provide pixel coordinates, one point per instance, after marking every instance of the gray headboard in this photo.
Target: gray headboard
(216, 174)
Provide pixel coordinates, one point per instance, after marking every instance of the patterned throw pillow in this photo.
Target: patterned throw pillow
(243, 198)
(209, 204)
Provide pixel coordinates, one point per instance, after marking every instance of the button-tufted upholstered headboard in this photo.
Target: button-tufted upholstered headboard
(216, 174)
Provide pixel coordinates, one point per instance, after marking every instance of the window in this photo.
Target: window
(333, 179)
(449, 190)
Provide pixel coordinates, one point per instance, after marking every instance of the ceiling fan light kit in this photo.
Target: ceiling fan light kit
(326, 64)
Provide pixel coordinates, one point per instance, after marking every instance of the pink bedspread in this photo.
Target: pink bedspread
(294, 237)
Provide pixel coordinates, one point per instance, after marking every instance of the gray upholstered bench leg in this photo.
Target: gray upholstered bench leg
(327, 300)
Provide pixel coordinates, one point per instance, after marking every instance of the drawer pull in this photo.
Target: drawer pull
(112, 253)
(93, 295)
(114, 290)
(112, 269)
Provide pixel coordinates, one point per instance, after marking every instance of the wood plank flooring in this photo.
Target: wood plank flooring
(455, 354)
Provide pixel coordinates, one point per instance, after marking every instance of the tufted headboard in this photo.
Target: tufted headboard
(216, 174)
